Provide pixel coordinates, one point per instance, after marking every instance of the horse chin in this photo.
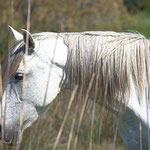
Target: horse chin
(7, 141)
(14, 140)
(17, 138)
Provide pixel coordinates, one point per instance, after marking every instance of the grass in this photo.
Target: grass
(43, 133)
(139, 22)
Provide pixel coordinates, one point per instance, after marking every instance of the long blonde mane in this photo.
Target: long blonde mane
(116, 58)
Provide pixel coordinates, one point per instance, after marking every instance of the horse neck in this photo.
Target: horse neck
(133, 122)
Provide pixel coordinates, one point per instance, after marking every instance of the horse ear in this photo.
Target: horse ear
(18, 36)
(31, 41)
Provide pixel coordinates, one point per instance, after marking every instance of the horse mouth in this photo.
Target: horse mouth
(12, 141)
(11, 138)
(8, 141)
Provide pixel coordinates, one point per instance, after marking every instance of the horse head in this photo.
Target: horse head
(33, 80)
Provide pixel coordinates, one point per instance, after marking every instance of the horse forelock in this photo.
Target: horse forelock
(115, 58)
(16, 52)
(12, 61)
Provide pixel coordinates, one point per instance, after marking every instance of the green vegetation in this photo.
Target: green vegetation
(42, 134)
(72, 15)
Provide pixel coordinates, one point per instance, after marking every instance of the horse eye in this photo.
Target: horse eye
(19, 76)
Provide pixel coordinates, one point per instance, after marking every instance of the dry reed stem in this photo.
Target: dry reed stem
(41, 133)
(83, 109)
(73, 123)
(24, 75)
(65, 117)
(100, 125)
(3, 113)
(2, 120)
(117, 123)
(101, 119)
(50, 121)
(49, 75)
(148, 127)
(1, 84)
(48, 80)
(3, 130)
(38, 130)
(3, 106)
(71, 131)
(140, 132)
(93, 112)
(101, 115)
(115, 136)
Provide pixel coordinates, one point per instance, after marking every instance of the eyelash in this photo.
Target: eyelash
(19, 76)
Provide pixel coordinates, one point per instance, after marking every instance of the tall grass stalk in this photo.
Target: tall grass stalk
(83, 109)
(24, 76)
(65, 117)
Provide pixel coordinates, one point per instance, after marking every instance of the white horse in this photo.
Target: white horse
(120, 62)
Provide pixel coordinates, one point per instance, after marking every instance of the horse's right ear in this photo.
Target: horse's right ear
(18, 36)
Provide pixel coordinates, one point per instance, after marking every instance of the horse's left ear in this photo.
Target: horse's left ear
(31, 41)
(18, 36)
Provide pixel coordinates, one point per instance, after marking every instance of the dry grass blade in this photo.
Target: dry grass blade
(48, 82)
(140, 132)
(73, 123)
(2, 124)
(117, 123)
(2, 120)
(115, 136)
(83, 110)
(49, 75)
(24, 76)
(100, 125)
(4, 102)
(1, 84)
(147, 111)
(27, 42)
(71, 132)
(92, 124)
(65, 117)
(93, 112)
(39, 129)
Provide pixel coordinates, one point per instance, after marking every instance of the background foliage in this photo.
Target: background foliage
(72, 15)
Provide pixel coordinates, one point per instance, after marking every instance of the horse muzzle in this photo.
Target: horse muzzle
(7, 137)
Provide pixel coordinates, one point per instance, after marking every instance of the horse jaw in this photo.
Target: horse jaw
(38, 94)
(18, 36)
